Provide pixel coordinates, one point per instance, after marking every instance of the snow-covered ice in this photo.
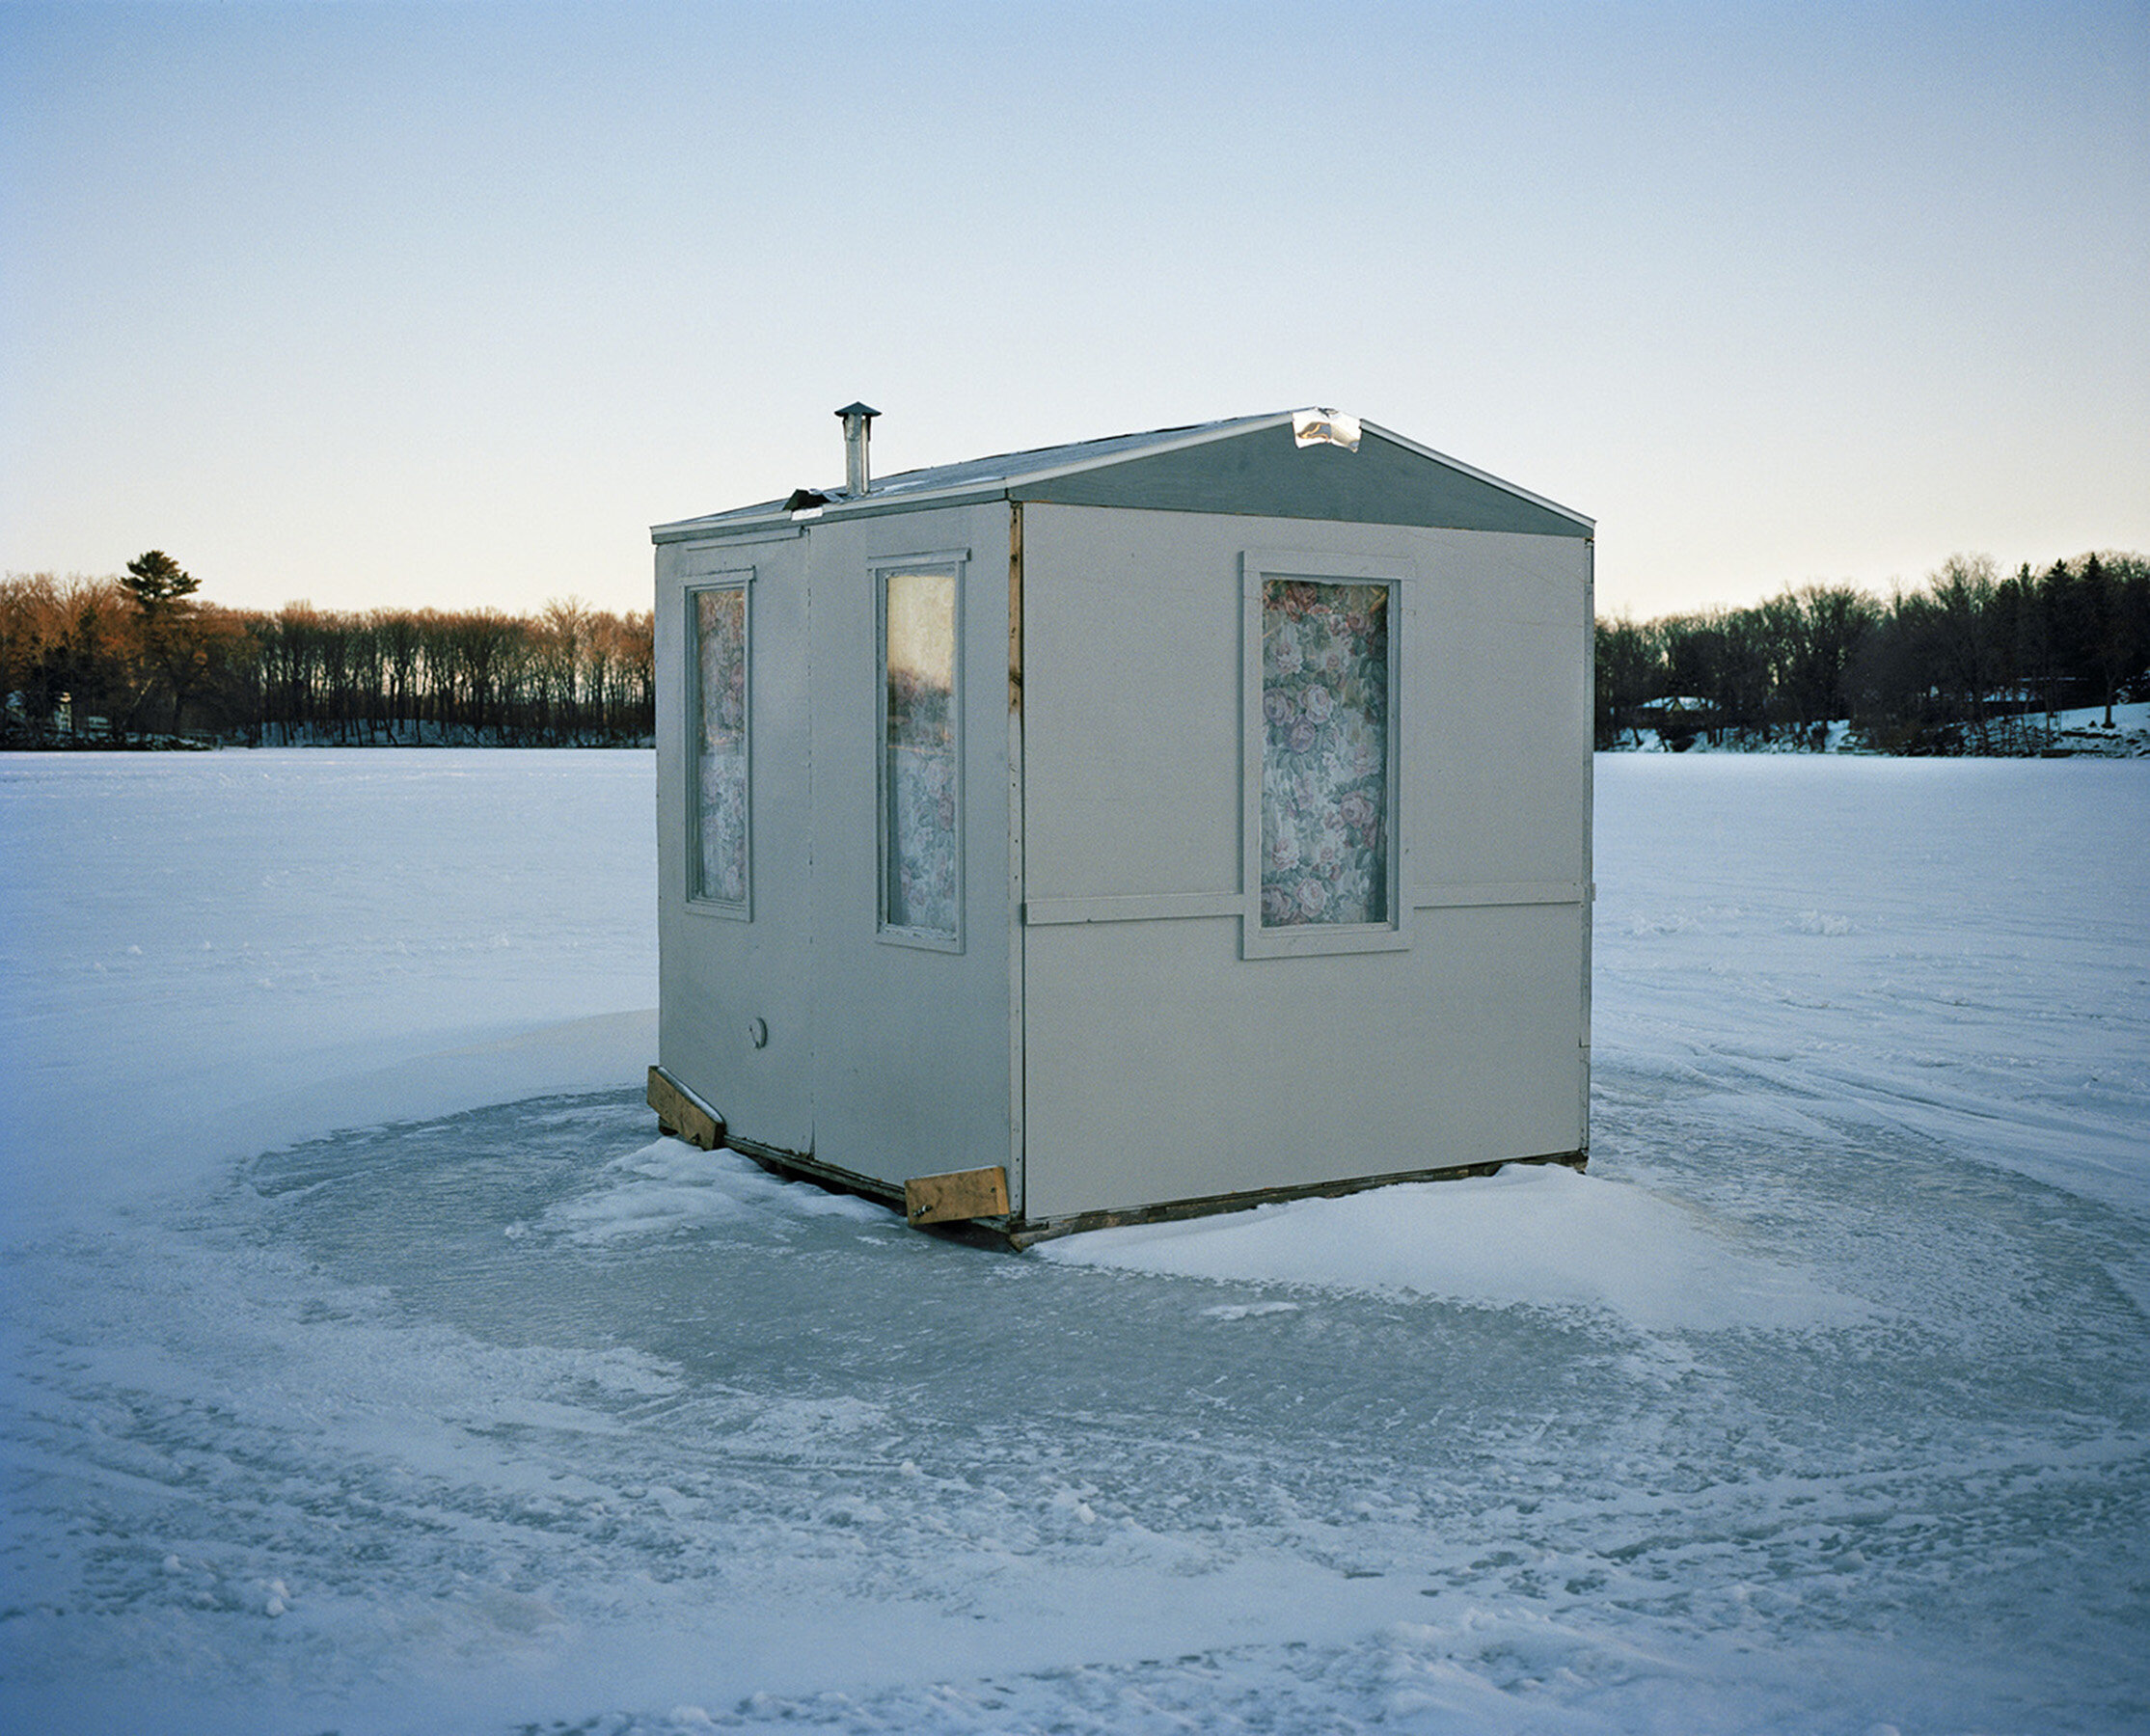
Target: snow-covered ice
(371, 1364)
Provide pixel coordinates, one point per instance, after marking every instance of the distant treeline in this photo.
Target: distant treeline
(138, 661)
(1967, 662)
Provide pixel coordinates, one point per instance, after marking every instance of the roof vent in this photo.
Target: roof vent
(1324, 427)
(858, 420)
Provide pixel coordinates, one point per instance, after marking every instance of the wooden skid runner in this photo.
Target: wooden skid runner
(1020, 1236)
(977, 1193)
(681, 1115)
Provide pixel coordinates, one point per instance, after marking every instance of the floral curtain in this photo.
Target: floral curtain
(721, 757)
(1324, 752)
(918, 789)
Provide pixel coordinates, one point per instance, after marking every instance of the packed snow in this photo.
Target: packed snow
(372, 1365)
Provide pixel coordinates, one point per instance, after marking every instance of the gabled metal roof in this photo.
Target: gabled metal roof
(1247, 465)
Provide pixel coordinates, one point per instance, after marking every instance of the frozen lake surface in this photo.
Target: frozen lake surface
(371, 1364)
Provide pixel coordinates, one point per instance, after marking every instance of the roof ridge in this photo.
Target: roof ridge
(997, 473)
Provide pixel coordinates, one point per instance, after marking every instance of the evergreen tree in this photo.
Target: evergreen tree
(160, 587)
(158, 582)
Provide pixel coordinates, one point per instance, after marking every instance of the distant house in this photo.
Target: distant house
(1152, 825)
(1680, 718)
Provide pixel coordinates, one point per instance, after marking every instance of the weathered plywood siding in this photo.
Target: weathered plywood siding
(884, 1060)
(1215, 1074)
(1503, 741)
(1160, 1063)
(718, 973)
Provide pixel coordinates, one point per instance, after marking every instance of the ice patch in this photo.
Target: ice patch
(1532, 1235)
(805, 1428)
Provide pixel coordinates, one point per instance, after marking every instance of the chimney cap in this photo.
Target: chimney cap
(849, 410)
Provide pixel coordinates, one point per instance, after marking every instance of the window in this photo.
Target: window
(921, 767)
(1322, 873)
(719, 856)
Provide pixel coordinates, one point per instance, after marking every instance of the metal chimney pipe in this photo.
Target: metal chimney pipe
(857, 431)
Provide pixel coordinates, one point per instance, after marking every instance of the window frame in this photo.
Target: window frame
(1259, 567)
(741, 581)
(948, 563)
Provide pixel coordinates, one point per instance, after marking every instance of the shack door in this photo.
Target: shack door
(738, 989)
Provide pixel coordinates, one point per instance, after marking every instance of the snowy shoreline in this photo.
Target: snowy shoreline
(2080, 734)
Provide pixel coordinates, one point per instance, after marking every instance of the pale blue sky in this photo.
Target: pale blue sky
(448, 304)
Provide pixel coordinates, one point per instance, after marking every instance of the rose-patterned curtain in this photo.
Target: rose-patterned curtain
(720, 756)
(918, 788)
(1324, 752)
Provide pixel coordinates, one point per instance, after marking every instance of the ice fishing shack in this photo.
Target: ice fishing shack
(1153, 825)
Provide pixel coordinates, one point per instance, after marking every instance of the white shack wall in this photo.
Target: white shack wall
(885, 1059)
(1160, 1063)
(716, 972)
